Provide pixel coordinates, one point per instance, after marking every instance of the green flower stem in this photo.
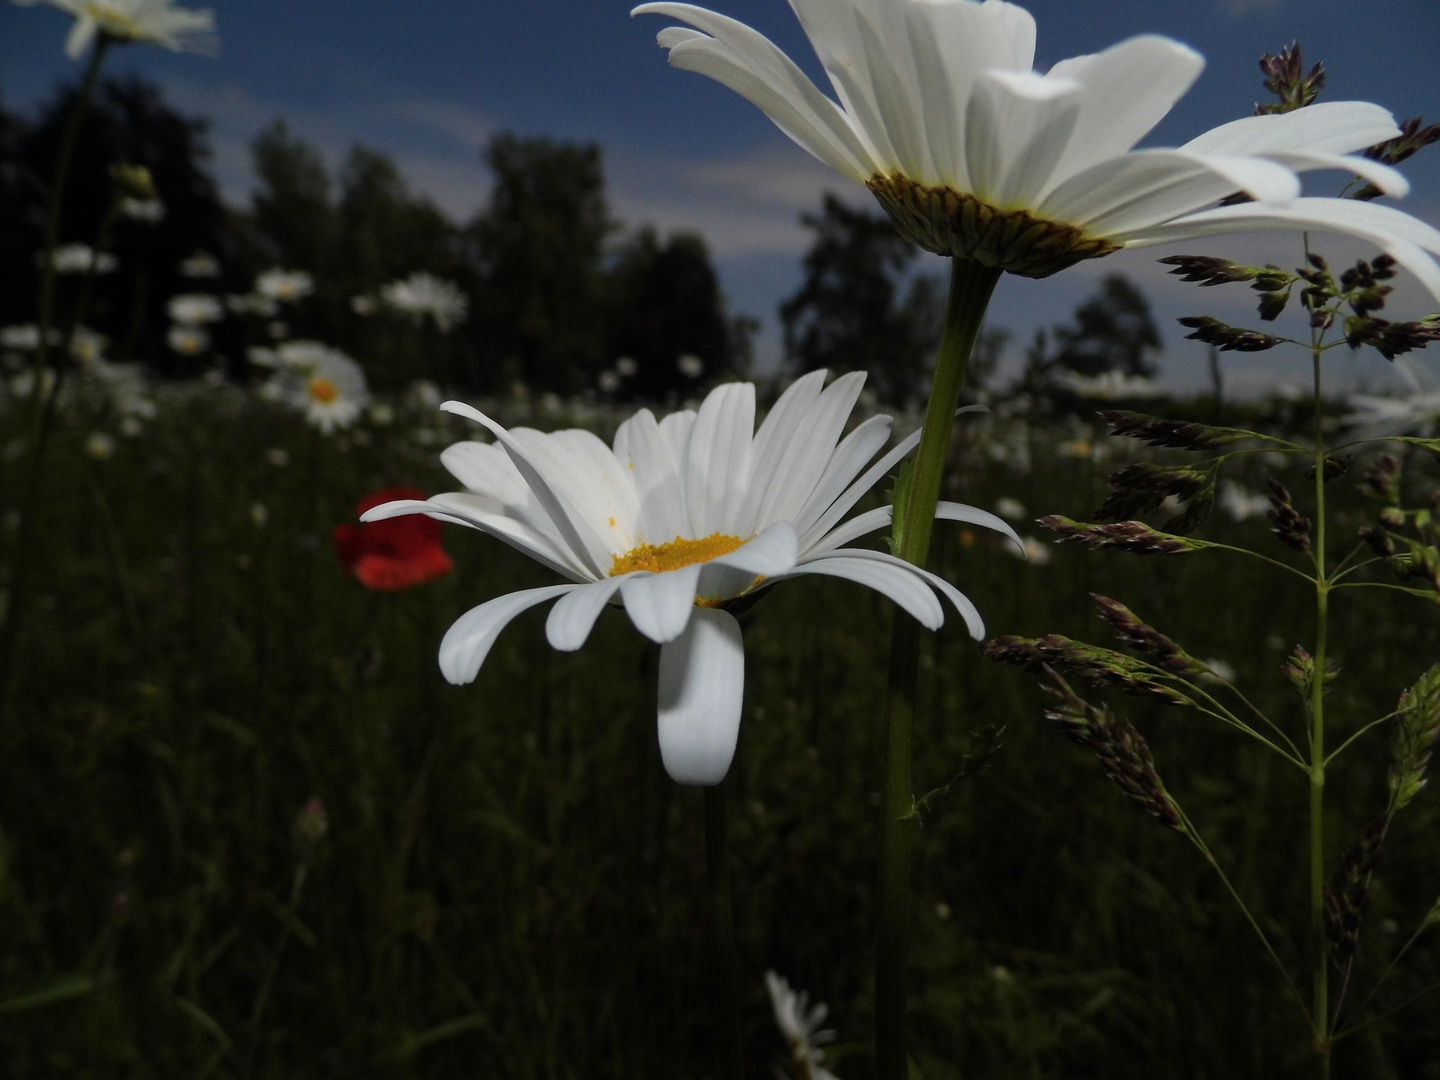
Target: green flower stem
(723, 964)
(1321, 1008)
(971, 286)
(55, 202)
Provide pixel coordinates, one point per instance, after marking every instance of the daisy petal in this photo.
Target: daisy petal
(958, 600)
(973, 515)
(702, 688)
(717, 459)
(573, 616)
(751, 65)
(1405, 237)
(899, 583)
(1336, 127)
(468, 641)
(641, 447)
(1129, 88)
(772, 552)
(660, 604)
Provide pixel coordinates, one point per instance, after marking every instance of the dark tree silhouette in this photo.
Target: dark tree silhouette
(666, 305)
(858, 309)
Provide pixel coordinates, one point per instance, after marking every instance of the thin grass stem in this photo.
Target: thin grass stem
(723, 964)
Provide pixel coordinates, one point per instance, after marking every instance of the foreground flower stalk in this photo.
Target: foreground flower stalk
(971, 286)
(720, 917)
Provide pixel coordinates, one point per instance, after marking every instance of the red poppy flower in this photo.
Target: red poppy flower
(393, 554)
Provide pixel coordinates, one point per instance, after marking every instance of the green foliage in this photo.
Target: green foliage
(509, 885)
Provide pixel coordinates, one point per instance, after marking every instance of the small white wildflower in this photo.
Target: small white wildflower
(148, 211)
(690, 365)
(1241, 503)
(800, 1022)
(200, 265)
(1110, 385)
(158, 22)
(1011, 508)
(1220, 671)
(626, 367)
(82, 258)
(423, 295)
(284, 285)
(381, 414)
(608, 382)
(195, 309)
(188, 340)
(99, 446)
(87, 346)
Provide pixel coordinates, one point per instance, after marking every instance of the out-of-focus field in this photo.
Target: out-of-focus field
(510, 886)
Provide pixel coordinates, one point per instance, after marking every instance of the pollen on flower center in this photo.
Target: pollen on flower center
(956, 223)
(679, 552)
(324, 390)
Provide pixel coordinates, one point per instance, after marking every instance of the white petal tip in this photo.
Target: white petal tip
(702, 687)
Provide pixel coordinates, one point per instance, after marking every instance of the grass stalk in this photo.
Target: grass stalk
(1321, 1008)
(971, 286)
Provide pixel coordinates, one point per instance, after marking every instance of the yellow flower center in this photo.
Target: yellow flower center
(323, 390)
(677, 553)
(950, 222)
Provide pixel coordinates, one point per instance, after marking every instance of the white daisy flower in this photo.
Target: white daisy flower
(188, 340)
(25, 337)
(421, 295)
(100, 446)
(148, 211)
(320, 381)
(82, 258)
(627, 367)
(799, 1022)
(200, 265)
(1240, 502)
(977, 155)
(284, 285)
(87, 346)
(195, 309)
(1109, 385)
(690, 365)
(680, 517)
(156, 22)
(1414, 413)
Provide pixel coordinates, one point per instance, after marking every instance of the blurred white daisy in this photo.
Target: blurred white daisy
(1109, 385)
(679, 518)
(148, 211)
(423, 295)
(195, 309)
(362, 305)
(1412, 413)
(200, 265)
(690, 365)
(799, 1022)
(320, 381)
(608, 382)
(975, 154)
(284, 285)
(626, 367)
(188, 340)
(81, 259)
(100, 446)
(156, 22)
(87, 346)
(1240, 502)
(25, 337)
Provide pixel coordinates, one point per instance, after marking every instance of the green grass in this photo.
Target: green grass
(510, 886)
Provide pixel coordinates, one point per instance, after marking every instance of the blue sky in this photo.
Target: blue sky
(428, 82)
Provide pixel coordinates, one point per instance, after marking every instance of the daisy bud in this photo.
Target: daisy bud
(1292, 529)
(1124, 755)
(1287, 79)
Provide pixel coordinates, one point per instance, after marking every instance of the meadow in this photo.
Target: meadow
(499, 880)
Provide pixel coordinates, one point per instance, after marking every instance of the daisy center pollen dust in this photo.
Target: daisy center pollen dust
(673, 555)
